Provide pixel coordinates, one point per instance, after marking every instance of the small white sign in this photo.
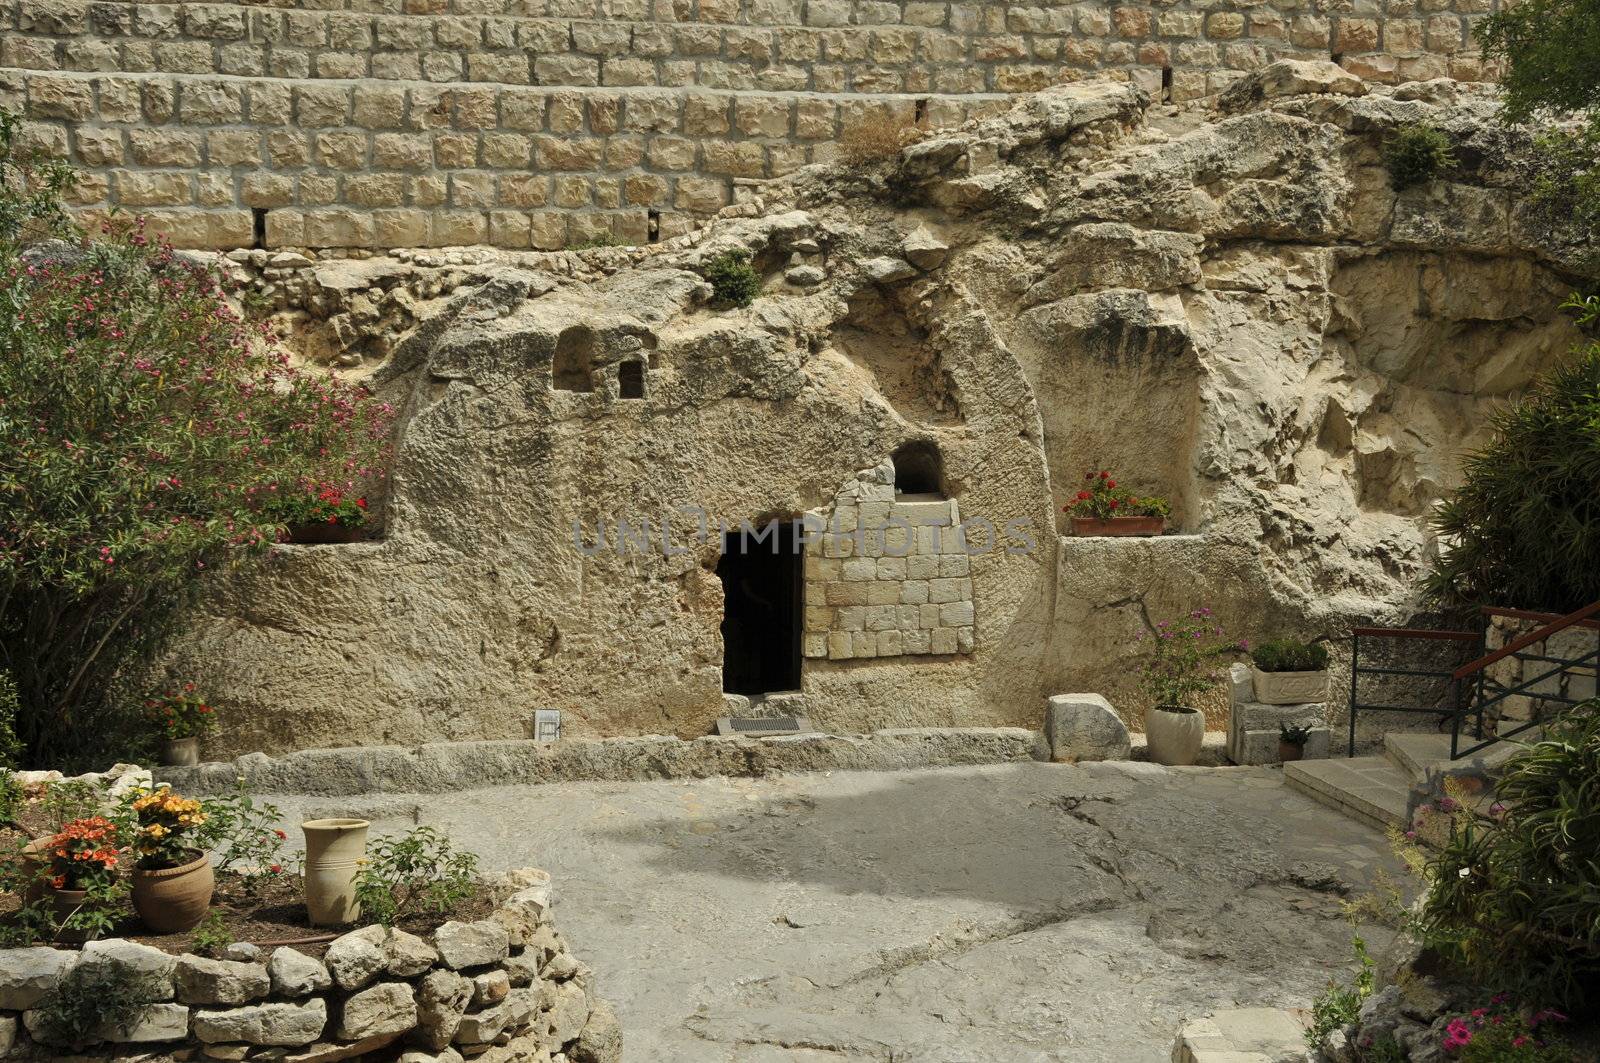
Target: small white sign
(546, 725)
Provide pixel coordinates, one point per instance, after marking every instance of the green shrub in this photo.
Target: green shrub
(1524, 528)
(733, 281)
(1516, 900)
(1416, 154)
(88, 1002)
(243, 837)
(31, 187)
(418, 871)
(1289, 655)
(1548, 49)
(145, 429)
(10, 706)
(1499, 1033)
(212, 936)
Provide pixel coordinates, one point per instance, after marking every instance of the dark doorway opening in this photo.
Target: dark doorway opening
(763, 596)
(918, 469)
(630, 380)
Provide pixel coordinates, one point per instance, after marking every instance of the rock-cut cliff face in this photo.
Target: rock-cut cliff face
(1228, 304)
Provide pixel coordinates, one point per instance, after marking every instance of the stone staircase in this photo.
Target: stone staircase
(1377, 789)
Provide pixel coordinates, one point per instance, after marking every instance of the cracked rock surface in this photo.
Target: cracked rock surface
(1028, 912)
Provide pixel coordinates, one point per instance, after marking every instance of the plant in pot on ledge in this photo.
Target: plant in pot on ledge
(320, 513)
(1288, 672)
(1103, 508)
(1292, 739)
(1176, 672)
(173, 879)
(182, 718)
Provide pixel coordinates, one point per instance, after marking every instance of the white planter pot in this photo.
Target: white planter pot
(1290, 688)
(1175, 735)
(334, 847)
(180, 752)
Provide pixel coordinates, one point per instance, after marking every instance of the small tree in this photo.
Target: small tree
(1524, 530)
(145, 429)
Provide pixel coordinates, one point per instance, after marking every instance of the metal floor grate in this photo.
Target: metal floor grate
(762, 726)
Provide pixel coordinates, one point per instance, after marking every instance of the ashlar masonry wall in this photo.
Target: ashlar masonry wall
(534, 123)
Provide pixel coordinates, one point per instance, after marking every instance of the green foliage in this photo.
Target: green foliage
(1551, 53)
(88, 1002)
(1340, 1005)
(145, 430)
(1561, 176)
(212, 936)
(1416, 154)
(733, 280)
(1383, 1049)
(243, 836)
(31, 187)
(1102, 499)
(1502, 1034)
(1289, 655)
(1516, 901)
(590, 243)
(68, 800)
(10, 705)
(12, 797)
(1179, 666)
(417, 871)
(1294, 734)
(1524, 528)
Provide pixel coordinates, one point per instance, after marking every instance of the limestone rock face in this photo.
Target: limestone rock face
(294, 974)
(203, 981)
(1226, 305)
(27, 976)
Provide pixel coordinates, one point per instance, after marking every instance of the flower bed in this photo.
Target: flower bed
(498, 989)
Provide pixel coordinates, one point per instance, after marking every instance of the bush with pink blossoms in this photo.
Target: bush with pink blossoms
(146, 431)
(1500, 1033)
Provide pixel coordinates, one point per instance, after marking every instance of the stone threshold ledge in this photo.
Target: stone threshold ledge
(446, 766)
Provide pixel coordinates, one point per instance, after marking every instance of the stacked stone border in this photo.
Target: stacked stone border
(500, 989)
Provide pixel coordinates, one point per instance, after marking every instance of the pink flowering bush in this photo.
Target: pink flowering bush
(1500, 1033)
(1183, 656)
(146, 434)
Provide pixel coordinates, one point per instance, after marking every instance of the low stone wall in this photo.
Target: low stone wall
(498, 990)
(447, 766)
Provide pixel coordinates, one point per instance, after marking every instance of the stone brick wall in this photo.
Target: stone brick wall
(889, 577)
(532, 123)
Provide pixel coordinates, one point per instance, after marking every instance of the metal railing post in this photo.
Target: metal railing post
(1355, 665)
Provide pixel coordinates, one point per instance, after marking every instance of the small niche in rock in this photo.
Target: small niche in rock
(630, 380)
(573, 369)
(918, 470)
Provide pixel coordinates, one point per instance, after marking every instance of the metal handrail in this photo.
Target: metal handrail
(1537, 635)
(1488, 691)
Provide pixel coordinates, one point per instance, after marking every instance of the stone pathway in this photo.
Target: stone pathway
(1025, 912)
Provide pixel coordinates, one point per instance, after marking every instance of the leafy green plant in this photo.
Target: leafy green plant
(243, 836)
(1289, 655)
(1523, 530)
(62, 802)
(1515, 900)
(1548, 49)
(1181, 654)
(181, 713)
(733, 281)
(1102, 499)
(31, 189)
(212, 935)
(88, 1002)
(416, 871)
(1294, 734)
(1339, 1005)
(1416, 154)
(10, 748)
(1500, 1033)
(145, 431)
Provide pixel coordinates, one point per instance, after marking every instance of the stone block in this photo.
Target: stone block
(1085, 727)
(387, 1008)
(146, 972)
(284, 1025)
(28, 975)
(294, 974)
(203, 981)
(472, 944)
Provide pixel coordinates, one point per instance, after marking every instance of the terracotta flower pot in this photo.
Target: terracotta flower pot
(1119, 526)
(334, 848)
(171, 900)
(1175, 734)
(180, 752)
(1288, 751)
(63, 904)
(323, 532)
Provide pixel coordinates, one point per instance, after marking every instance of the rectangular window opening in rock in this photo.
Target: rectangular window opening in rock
(763, 595)
(573, 369)
(630, 380)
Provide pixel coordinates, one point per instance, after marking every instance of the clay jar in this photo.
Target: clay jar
(334, 848)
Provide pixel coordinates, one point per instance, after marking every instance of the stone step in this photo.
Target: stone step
(1370, 789)
(1419, 754)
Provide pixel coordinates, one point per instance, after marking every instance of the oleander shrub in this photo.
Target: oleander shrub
(144, 429)
(1416, 154)
(1515, 899)
(1523, 530)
